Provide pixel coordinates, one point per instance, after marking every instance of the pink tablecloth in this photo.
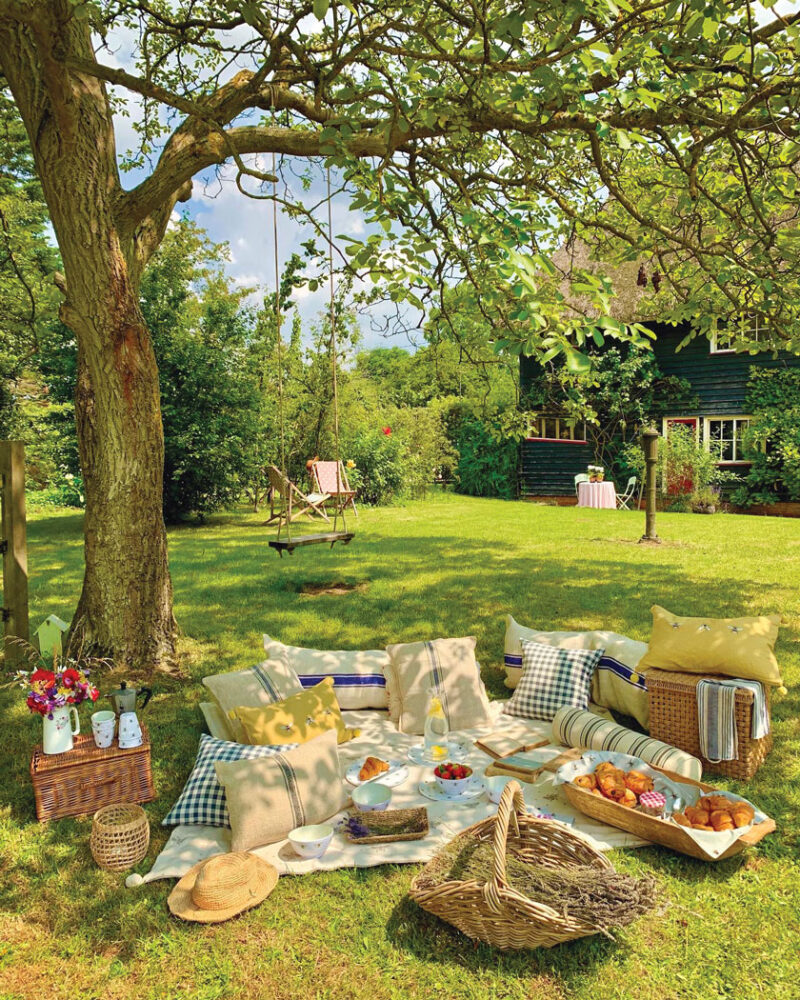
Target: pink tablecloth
(597, 495)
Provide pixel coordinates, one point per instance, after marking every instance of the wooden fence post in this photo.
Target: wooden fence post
(650, 448)
(13, 542)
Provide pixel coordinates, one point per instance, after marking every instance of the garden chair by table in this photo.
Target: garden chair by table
(335, 488)
(624, 499)
(580, 478)
(291, 501)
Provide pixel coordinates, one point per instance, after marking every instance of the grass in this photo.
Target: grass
(445, 566)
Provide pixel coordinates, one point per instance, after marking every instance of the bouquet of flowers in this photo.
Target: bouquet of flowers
(596, 473)
(66, 684)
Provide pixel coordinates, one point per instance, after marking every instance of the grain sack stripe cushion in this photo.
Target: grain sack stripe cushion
(292, 790)
(267, 683)
(345, 680)
(202, 800)
(437, 678)
(551, 678)
(622, 671)
(576, 728)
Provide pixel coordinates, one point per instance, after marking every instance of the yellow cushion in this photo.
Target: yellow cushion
(297, 719)
(737, 647)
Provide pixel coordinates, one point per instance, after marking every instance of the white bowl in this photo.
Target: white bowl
(453, 787)
(311, 841)
(372, 797)
(495, 785)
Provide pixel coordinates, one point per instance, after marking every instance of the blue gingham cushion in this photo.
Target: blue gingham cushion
(552, 678)
(202, 800)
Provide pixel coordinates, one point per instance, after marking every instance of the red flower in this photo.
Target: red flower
(70, 677)
(94, 694)
(44, 677)
(387, 431)
(34, 705)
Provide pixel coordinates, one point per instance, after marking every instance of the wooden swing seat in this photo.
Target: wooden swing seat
(282, 545)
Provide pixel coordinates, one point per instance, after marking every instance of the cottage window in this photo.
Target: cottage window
(556, 429)
(750, 328)
(724, 438)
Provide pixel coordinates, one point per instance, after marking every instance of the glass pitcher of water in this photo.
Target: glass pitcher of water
(436, 730)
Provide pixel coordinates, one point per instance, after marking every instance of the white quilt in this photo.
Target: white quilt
(380, 737)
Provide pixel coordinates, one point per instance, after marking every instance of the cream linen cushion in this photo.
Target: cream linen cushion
(513, 650)
(736, 647)
(447, 666)
(267, 798)
(264, 684)
(358, 674)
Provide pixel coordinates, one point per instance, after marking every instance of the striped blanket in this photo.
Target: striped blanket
(716, 713)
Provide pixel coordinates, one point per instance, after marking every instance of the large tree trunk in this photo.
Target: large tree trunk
(125, 609)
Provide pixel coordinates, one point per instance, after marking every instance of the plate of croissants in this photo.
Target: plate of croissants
(388, 772)
(662, 807)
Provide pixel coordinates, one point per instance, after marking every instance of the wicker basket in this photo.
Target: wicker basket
(495, 912)
(674, 719)
(81, 781)
(120, 836)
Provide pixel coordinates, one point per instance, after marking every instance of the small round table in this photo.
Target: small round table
(597, 495)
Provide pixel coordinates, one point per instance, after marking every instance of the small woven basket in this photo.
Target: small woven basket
(120, 836)
(495, 912)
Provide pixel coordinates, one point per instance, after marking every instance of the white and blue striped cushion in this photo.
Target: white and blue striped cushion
(552, 678)
(359, 679)
(202, 800)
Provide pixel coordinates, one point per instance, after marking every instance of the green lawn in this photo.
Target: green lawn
(447, 566)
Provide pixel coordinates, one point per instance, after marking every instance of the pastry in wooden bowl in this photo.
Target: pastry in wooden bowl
(371, 768)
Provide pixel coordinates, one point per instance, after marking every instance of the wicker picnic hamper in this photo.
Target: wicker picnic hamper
(495, 912)
(674, 719)
(84, 779)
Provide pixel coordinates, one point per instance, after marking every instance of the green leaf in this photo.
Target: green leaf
(321, 9)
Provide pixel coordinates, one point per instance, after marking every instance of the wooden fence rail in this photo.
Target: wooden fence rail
(13, 543)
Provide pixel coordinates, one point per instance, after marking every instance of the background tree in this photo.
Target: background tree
(485, 133)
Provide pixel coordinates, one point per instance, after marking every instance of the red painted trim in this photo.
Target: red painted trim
(558, 440)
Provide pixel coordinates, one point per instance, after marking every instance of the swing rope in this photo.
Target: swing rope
(341, 500)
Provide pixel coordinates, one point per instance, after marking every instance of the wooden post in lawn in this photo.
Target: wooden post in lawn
(13, 543)
(650, 448)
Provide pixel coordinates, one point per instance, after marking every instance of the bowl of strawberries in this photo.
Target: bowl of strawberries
(452, 779)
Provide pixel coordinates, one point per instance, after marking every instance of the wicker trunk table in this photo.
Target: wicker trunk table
(84, 779)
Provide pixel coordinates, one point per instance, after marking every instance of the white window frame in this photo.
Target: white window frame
(754, 327)
(558, 438)
(736, 417)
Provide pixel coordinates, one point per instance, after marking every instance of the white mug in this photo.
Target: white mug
(103, 726)
(130, 732)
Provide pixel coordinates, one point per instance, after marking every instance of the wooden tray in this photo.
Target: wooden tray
(659, 831)
(379, 823)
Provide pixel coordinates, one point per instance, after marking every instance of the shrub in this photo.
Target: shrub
(487, 465)
(380, 470)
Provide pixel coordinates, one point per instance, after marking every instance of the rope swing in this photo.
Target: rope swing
(281, 482)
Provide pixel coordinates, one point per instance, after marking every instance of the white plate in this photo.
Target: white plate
(396, 775)
(432, 791)
(455, 753)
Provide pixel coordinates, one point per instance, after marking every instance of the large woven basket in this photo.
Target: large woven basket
(674, 720)
(495, 912)
(120, 836)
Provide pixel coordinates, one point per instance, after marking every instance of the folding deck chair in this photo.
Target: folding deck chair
(325, 480)
(288, 494)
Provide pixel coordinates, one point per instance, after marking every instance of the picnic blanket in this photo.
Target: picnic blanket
(379, 736)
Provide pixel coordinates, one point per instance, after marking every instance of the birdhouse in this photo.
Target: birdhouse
(49, 634)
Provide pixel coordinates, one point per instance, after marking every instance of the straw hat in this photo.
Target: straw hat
(222, 886)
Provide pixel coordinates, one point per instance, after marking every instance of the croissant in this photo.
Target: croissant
(742, 814)
(681, 820)
(638, 782)
(585, 781)
(612, 784)
(697, 816)
(371, 768)
(721, 820)
(628, 799)
(604, 766)
(715, 803)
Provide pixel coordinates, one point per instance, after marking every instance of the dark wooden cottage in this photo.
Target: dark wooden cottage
(556, 449)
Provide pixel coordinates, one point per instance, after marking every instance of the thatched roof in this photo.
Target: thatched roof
(631, 302)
